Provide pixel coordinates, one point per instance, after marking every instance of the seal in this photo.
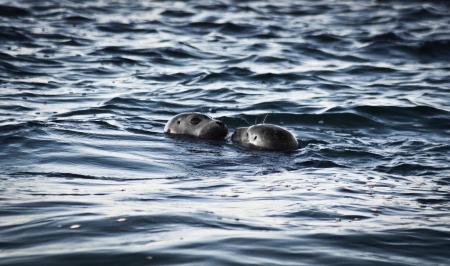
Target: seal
(196, 125)
(265, 137)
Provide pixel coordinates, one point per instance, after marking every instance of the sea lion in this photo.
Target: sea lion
(196, 125)
(265, 137)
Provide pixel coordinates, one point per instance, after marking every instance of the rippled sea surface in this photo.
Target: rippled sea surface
(87, 176)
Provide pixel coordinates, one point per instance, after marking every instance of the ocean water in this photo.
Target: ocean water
(87, 176)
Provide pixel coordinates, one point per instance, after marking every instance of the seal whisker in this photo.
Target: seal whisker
(245, 120)
(265, 118)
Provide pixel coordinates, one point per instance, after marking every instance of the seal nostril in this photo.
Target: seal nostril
(255, 137)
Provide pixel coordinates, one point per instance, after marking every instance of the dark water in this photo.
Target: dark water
(88, 178)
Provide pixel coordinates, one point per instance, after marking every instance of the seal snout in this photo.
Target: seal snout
(215, 129)
(239, 134)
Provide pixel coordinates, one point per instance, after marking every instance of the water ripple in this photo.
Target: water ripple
(88, 177)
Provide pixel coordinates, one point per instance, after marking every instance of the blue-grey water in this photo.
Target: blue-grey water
(87, 176)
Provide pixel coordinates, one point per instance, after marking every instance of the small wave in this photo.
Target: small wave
(120, 61)
(168, 54)
(13, 34)
(319, 164)
(322, 215)
(368, 70)
(124, 28)
(240, 29)
(437, 50)
(85, 112)
(385, 37)
(13, 11)
(349, 153)
(16, 108)
(410, 168)
(272, 60)
(123, 50)
(78, 19)
(72, 176)
(39, 205)
(406, 111)
(277, 78)
(270, 106)
(421, 13)
(428, 116)
(177, 13)
(433, 201)
(325, 38)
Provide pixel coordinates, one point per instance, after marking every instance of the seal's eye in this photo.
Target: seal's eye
(178, 122)
(195, 120)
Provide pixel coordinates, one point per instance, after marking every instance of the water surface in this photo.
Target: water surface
(88, 177)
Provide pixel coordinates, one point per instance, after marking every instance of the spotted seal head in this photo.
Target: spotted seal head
(196, 125)
(265, 137)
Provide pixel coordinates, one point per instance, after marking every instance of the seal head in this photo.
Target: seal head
(265, 137)
(196, 125)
